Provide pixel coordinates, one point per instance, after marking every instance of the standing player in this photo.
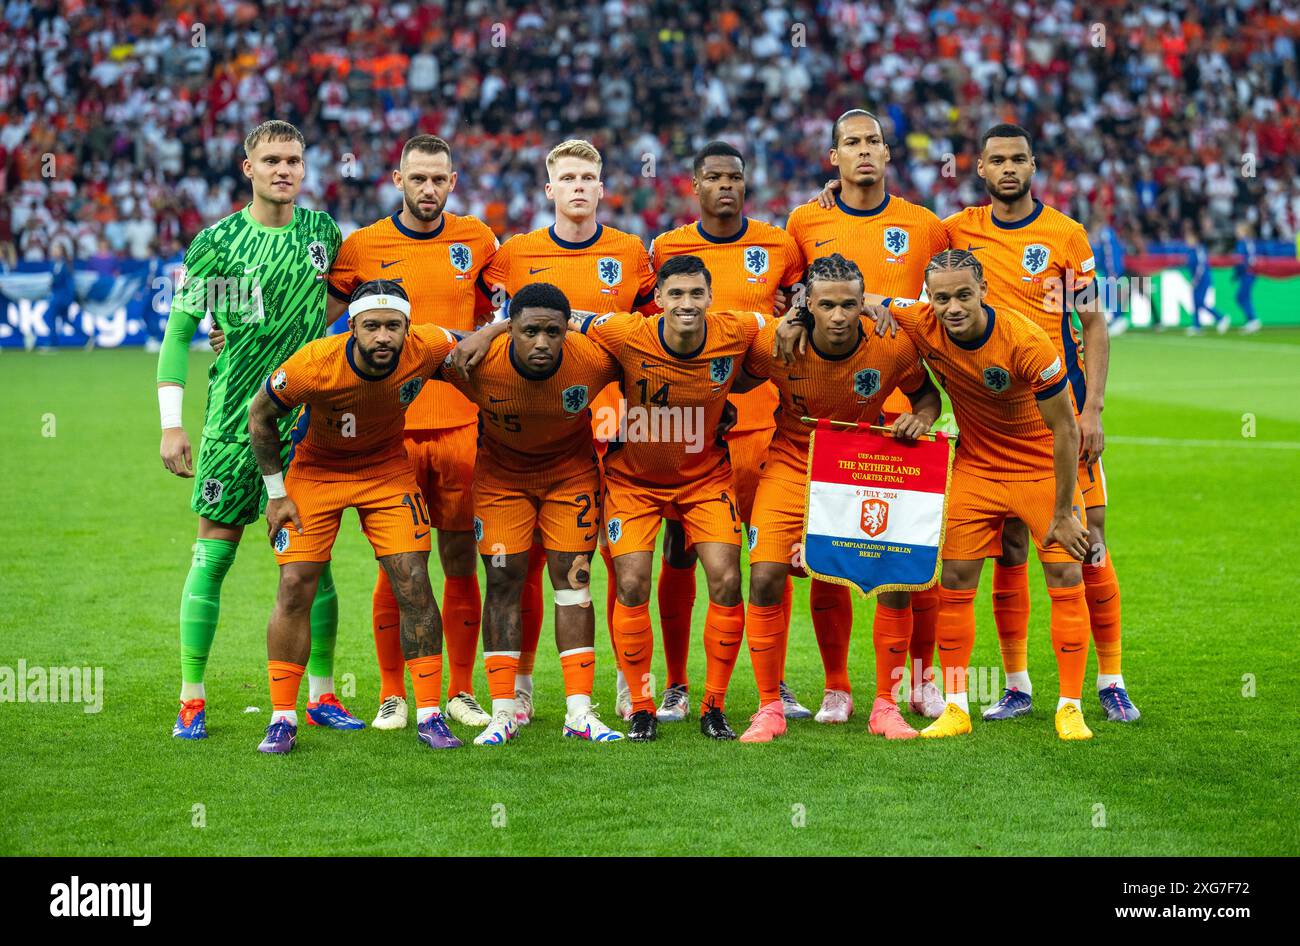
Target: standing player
(1039, 263)
(261, 273)
(891, 240)
(1244, 273)
(678, 369)
(356, 387)
(750, 262)
(599, 269)
(1202, 276)
(846, 376)
(436, 257)
(537, 469)
(1018, 456)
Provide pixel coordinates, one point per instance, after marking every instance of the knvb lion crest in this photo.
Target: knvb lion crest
(875, 516)
(615, 529)
(212, 490)
(319, 258)
(574, 398)
(407, 392)
(462, 257)
(997, 379)
(896, 240)
(609, 270)
(1035, 258)
(720, 369)
(756, 261)
(866, 382)
(281, 543)
(478, 529)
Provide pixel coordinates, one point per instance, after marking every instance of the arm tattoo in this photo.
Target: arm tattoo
(421, 626)
(263, 433)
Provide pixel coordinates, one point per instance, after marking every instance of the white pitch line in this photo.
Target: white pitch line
(1172, 442)
(1193, 341)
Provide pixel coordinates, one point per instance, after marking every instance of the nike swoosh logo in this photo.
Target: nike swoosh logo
(972, 249)
(823, 242)
(1004, 595)
(829, 607)
(941, 647)
(497, 400)
(760, 650)
(383, 265)
(646, 364)
(589, 537)
(470, 623)
(497, 669)
(424, 675)
(387, 627)
(1070, 650)
(421, 535)
(278, 679)
(534, 272)
(1104, 600)
(584, 666)
(630, 656)
(898, 651)
(799, 377)
(729, 643)
(249, 269)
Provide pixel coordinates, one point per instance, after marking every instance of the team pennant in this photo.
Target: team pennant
(876, 507)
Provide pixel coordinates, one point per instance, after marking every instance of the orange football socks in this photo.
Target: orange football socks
(832, 618)
(925, 611)
(676, 595)
(891, 631)
(766, 630)
(462, 610)
(286, 680)
(955, 636)
(1101, 587)
(1011, 615)
(426, 680)
(1070, 637)
(634, 643)
(387, 622)
(579, 666)
(501, 667)
(724, 629)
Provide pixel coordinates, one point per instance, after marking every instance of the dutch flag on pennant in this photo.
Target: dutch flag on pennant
(876, 508)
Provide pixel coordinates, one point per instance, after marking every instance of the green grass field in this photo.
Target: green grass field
(96, 541)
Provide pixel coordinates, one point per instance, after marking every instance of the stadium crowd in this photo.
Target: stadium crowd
(121, 123)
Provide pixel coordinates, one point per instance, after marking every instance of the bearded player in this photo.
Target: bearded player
(599, 269)
(751, 263)
(845, 373)
(1039, 262)
(260, 272)
(891, 240)
(437, 258)
(357, 386)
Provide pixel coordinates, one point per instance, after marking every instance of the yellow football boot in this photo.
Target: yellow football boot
(1070, 724)
(954, 721)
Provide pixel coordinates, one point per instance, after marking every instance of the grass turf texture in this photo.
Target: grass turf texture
(96, 544)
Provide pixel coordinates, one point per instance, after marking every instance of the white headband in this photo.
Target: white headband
(365, 303)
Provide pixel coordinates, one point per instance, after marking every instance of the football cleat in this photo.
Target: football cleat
(1070, 725)
(464, 709)
(954, 721)
(930, 703)
(587, 725)
(676, 706)
(392, 713)
(793, 708)
(1119, 708)
(1251, 327)
(1012, 704)
(623, 703)
(433, 732)
(498, 732)
(192, 722)
(523, 707)
(281, 737)
(887, 721)
(644, 728)
(330, 713)
(714, 724)
(837, 707)
(766, 724)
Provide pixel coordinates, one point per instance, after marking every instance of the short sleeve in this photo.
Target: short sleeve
(939, 239)
(497, 271)
(345, 274)
(1079, 258)
(1040, 365)
(645, 272)
(758, 359)
(291, 384)
(439, 343)
(794, 265)
(908, 313)
(610, 331)
(912, 374)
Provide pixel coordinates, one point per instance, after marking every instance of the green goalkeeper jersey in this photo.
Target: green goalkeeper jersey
(266, 289)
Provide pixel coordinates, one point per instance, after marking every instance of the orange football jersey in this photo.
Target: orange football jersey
(537, 430)
(993, 383)
(851, 387)
(1033, 266)
(355, 421)
(608, 273)
(746, 271)
(439, 271)
(674, 402)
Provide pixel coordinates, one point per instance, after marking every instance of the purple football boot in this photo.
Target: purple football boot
(433, 732)
(281, 736)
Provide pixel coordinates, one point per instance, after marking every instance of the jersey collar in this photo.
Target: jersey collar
(567, 245)
(535, 377)
(827, 357)
(862, 213)
(352, 363)
(247, 213)
(979, 342)
(415, 234)
(705, 234)
(1033, 215)
(663, 342)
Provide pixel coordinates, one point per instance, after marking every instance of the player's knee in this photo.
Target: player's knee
(766, 585)
(724, 588)
(297, 590)
(676, 552)
(1062, 574)
(898, 600)
(457, 553)
(633, 589)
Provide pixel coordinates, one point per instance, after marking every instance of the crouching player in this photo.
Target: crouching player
(537, 470)
(357, 387)
(846, 373)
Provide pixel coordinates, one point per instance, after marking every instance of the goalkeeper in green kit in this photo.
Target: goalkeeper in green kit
(261, 272)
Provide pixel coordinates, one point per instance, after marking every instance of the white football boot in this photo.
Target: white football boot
(392, 714)
(587, 725)
(499, 731)
(523, 707)
(837, 707)
(676, 706)
(464, 709)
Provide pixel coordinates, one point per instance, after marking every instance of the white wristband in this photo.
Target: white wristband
(170, 397)
(274, 486)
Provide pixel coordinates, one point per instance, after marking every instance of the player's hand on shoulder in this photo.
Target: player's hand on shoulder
(909, 427)
(469, 351)
(826, 197)
(1070, 534)
(791, 336)
(1092, 440)
(175, 451)
(279, 513)
(884, 319)
(780, 302)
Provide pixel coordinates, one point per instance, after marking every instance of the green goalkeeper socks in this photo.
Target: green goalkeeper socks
(200, 606)
(324, 626)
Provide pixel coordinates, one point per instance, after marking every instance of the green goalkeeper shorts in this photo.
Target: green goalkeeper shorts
(228, 486)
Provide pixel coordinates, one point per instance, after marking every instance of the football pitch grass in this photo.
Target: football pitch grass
(96, 541)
